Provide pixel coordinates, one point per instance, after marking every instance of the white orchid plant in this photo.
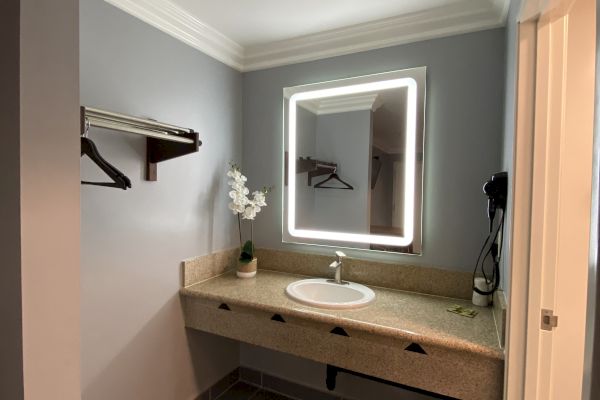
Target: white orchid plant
(244, 207)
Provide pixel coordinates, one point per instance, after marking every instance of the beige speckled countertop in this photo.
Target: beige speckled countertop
(394, 313)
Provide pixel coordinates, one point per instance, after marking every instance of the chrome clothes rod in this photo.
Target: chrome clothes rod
(163, 141)
(126, 123)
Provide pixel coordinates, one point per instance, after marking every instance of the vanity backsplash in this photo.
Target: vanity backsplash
(428, 280)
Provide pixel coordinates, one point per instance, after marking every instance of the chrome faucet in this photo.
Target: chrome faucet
(337, 264)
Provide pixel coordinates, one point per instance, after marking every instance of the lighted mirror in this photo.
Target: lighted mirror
(354, 162)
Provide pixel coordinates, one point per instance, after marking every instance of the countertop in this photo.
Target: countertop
(394, 313)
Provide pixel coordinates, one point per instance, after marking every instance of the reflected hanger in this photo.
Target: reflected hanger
(334, 176)
(119, 180)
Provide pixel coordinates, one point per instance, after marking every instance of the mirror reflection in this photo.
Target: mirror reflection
(358, 151)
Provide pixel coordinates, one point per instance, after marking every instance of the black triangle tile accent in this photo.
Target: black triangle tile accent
(339, 331)
(224, 306)
(278, 318)
(415, 348)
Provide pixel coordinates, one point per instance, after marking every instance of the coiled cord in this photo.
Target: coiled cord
(495, 251)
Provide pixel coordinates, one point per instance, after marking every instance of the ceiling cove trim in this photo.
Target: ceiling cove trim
(177, 22)
(464, 17)
(457, 18)
(341, 104)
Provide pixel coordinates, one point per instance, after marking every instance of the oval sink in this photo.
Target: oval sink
(325, 293)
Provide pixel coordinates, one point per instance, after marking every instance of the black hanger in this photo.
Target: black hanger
(119, 179)
(334, 176)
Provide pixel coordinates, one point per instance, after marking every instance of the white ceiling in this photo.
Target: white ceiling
(257, 34)
(259, 22)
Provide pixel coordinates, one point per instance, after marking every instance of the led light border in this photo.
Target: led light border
(409, 173)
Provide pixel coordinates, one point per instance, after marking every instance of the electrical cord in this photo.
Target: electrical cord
(495, 251)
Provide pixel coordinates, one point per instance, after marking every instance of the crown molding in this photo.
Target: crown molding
(463, 17)
(502, 8)
(334, 105)
(457, 18)
(177, 22)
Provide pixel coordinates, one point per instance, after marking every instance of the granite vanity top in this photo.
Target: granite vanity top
(394, 313)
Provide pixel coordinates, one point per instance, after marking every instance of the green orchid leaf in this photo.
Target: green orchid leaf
(247, 252)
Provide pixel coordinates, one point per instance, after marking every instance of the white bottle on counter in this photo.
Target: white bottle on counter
(480, 299)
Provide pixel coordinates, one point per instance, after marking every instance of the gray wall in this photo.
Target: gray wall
(344, 138)
(11, 345)
(134, 345)
(465, 93)
(509, 129)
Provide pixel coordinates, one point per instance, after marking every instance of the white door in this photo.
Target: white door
(552, 198)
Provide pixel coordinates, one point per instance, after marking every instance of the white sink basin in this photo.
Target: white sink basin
(325, 293)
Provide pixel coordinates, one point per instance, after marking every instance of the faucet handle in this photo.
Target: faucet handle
(338, 259)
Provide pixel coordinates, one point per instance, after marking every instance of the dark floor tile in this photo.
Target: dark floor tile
(251, 376)
(294, 390)
(204, 396)
(266, 395)
(225, 383)
(239, 391)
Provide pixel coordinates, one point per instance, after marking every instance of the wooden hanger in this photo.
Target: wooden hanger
(119, 180)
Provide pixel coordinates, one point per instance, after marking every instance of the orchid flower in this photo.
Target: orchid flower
(244, 207)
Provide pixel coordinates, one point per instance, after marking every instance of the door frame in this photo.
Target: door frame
(592, 341)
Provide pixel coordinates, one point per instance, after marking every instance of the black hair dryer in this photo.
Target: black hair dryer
(496, 189)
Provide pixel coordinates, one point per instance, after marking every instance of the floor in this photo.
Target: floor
(248, 384)
(245, 391)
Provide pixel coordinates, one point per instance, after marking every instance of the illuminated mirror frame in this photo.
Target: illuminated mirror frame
(411, 79)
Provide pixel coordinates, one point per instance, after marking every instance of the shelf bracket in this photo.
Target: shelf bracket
(313, 167)
(160, 150)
